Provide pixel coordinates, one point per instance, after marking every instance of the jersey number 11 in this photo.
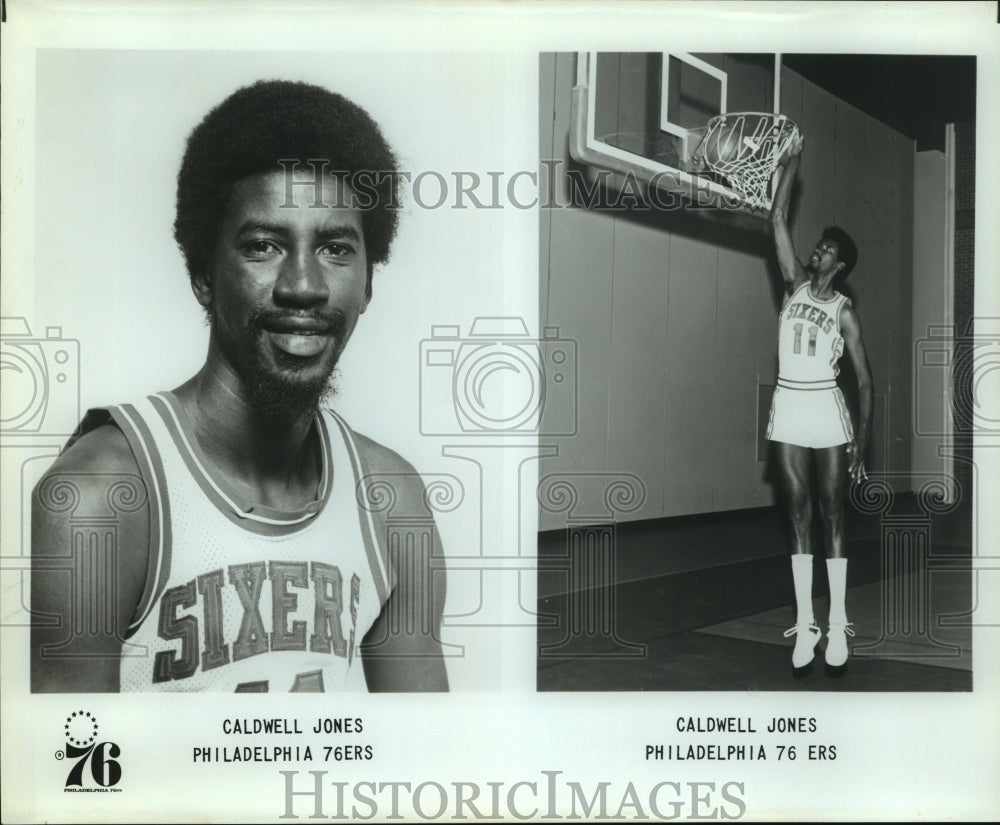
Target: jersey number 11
(813, 333)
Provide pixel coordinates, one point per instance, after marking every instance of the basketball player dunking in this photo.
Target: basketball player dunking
(809, 420)
(243, 559)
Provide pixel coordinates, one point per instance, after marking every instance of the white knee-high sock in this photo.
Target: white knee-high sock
(802, 577)
(836, 570)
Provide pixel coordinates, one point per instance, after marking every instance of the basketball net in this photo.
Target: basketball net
(744, 148)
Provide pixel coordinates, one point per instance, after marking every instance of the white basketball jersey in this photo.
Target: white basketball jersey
(241, 597)
(809, 340)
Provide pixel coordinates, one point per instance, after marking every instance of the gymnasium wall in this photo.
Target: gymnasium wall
(931, 397)
(964, 286)
(675, 317)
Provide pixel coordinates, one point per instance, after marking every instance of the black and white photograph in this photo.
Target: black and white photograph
(498, 412)
(142, 573)
(284, 272)
(768, 453)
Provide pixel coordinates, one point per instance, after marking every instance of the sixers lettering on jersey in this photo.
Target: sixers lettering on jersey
(256, 635)
(812, 314)
(240, 596)
(809, 340)
(807, 408)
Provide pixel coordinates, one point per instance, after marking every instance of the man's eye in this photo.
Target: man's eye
(260, 248)
(337, 250)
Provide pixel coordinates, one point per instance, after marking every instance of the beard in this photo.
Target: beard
(295, 389)
(280, 399)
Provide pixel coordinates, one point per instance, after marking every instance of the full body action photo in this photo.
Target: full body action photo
(244, 558)
(809, 421)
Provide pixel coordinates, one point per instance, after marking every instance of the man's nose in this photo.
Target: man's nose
(301, 281)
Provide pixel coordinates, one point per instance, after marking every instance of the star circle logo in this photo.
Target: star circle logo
(81, 728)
(93, 764)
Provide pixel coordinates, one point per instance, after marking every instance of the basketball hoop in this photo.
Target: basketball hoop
(744, 148)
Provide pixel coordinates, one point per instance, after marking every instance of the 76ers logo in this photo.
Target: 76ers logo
(85, 751)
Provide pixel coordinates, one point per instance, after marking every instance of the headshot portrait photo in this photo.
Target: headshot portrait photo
(115, 290)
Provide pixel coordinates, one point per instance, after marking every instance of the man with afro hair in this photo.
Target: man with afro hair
(809, 422)
(248, 555)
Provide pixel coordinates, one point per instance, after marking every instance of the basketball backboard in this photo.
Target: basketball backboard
(645, 113)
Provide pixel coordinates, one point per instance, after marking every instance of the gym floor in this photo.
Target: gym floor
(700, 603)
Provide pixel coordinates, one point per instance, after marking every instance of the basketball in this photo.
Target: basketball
(722, 145)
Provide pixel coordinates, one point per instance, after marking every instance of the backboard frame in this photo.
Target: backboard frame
(676, 129)
(697, 188)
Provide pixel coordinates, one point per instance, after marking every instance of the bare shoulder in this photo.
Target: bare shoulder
(389, 467)
(98, 472)
(404, 654)
(850, 323)
(89, 468)
(381, 459)
(103, 449)
(95, 477)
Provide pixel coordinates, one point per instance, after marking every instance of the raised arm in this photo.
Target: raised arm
(89, 551)
(850, 327)
(791, 270)
(402, 651)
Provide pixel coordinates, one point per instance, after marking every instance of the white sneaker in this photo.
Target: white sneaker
(807, 636)
(836, 647)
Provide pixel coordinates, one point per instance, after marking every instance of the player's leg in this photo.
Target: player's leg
(831, 483)
(793, 468)
(832, 479)
(794, 463)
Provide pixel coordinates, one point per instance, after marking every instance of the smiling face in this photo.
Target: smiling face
(287, 283)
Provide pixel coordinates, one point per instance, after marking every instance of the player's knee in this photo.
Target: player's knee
(831, 509)
(799, 508)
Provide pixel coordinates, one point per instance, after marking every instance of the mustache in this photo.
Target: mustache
(333, 322)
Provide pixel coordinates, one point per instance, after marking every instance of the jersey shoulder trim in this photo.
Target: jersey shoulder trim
(150, 463)
(845, 303)
(372, 521)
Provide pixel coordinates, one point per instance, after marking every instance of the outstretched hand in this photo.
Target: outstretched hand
(793, 151)
(856, 467)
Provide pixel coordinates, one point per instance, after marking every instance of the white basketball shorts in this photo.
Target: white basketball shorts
(815, 418)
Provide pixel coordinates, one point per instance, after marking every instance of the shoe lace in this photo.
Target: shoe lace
(845, 626)
(800, 628)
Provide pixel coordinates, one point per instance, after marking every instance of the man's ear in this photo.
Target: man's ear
(201, 286)
(840, 265)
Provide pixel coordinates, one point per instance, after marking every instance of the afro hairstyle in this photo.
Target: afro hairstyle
(847, 250)
(272, 120)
